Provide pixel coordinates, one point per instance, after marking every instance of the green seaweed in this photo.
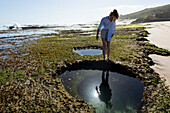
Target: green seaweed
(118, 27)
(48, 55)
(7, 76)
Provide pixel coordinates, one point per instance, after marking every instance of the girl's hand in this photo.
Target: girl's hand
(97, 37)
(112, 35)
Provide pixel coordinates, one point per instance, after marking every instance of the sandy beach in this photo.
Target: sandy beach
(160, 36)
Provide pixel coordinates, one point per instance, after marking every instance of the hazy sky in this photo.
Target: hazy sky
(67, 11)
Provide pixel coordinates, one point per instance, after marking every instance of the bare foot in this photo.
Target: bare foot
(107, 58)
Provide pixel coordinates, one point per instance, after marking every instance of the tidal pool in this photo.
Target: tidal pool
(105, 91)
(88, 51)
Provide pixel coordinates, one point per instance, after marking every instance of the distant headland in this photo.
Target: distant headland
(161, 13)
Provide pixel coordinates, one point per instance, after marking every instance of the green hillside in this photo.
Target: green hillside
(161, 13)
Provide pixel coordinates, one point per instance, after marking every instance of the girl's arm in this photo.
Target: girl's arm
(97, 35)
(97, 90)
(99, 27)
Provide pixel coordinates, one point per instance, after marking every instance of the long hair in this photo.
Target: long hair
(114, 13)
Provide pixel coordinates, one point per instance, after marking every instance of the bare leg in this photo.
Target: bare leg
(104, 47)
(107, 76)
(108, 49)
(103, 74)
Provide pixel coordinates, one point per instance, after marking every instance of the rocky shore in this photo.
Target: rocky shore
(30, 83)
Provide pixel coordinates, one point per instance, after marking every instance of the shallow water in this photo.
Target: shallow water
(89, 51)
(10, 39)
(107, 92)
(10, 33)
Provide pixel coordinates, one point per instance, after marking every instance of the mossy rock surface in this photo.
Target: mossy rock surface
(31, 81)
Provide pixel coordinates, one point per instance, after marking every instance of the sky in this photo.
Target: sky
(66, 12)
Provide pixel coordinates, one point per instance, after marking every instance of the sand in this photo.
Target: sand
(160, 36)
(162, 67)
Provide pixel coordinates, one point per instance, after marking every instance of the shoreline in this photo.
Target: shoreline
(160, 37)
(162, 67)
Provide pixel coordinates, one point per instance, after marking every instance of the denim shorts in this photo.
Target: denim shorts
(104, 33)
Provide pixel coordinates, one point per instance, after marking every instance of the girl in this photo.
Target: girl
(107, 27)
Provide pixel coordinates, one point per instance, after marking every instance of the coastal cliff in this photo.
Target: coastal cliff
(161, 13)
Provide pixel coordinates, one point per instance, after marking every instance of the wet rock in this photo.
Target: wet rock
(28, 82)
(142, 39)
(36, 96)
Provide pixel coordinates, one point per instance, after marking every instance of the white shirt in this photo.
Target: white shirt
(106, 24)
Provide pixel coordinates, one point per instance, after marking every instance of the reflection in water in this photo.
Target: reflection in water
(88, 51)
(114, 92)
(105, 91)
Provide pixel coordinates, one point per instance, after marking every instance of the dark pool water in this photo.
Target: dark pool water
(88, 51)
(107, 92)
